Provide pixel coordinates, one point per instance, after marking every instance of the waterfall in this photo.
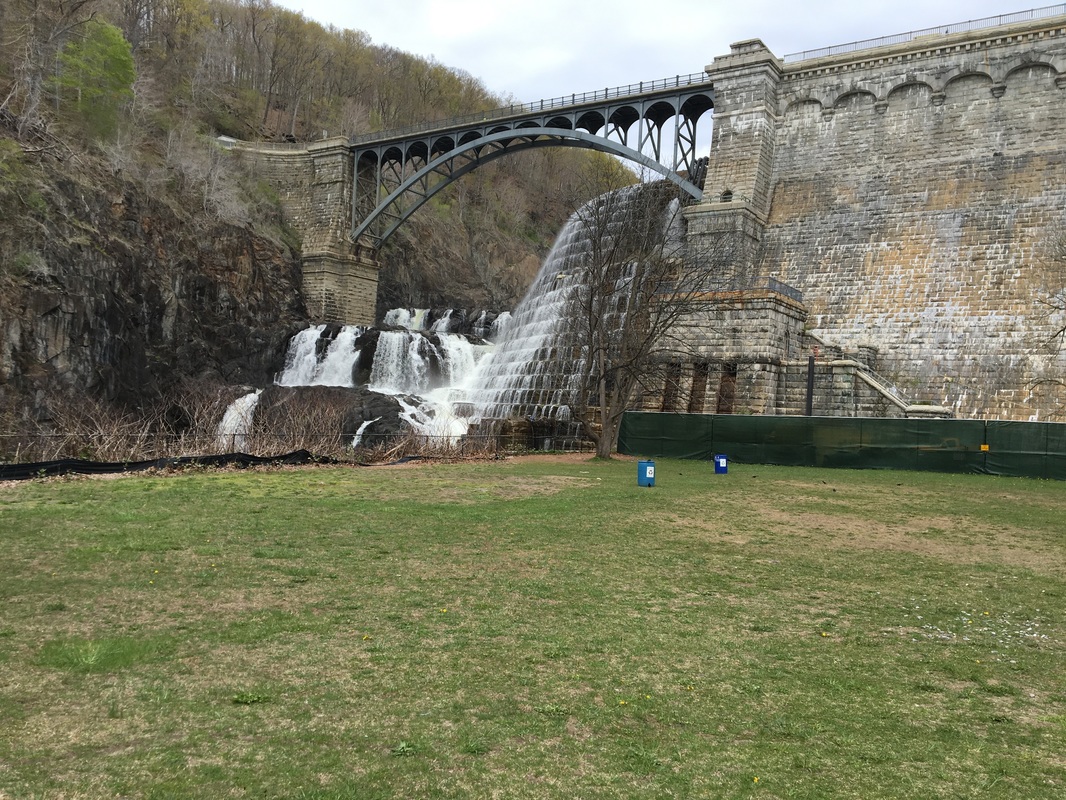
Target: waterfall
(402, 363)
(444, 324)
(442, 382)
(236, 424)
(428, 381)
(358, 438)
(539, 361)
(414, 319)
(303, 366)
(499, 326)
(481, 326)
(459, 358)
(301, 360)
(511, 380)
(426, 374)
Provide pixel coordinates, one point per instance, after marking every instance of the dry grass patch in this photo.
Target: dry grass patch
(961, 541)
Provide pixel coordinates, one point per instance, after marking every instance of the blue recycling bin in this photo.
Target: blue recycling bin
(721, 465)
(645, 473)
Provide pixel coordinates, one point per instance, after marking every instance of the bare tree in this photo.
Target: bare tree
(634, 304)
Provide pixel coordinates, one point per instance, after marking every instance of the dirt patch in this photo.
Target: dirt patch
(511, 489)
(947, 538)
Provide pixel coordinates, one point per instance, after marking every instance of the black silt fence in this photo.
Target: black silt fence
(1020, 449)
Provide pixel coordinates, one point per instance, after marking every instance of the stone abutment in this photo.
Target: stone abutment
(314, 184)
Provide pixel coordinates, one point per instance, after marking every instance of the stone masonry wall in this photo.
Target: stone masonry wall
(914, 191)
(753, 332)
(314, 185)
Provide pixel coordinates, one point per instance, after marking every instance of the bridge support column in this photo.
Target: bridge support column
(340, 288)
(725, 229)
(340, 283)
(314, 185)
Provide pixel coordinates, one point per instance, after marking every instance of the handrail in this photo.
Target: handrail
(259, 144)
(877, 383)
(903, 38)
(515, 110)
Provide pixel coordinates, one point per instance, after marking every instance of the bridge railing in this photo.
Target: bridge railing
(518, 109)
(940, 30)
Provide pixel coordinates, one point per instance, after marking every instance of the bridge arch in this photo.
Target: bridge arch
(395, 172)
(414, 191)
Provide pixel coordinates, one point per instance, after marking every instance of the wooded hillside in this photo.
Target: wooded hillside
(134, 254)
(145, 83)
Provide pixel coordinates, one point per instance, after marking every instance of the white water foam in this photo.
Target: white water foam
(358, 438)
(414, 319)
(232, 432)
(302, 367)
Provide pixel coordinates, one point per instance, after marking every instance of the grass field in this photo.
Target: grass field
(533, 628)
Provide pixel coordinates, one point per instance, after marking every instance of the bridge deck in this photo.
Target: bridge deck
(516, 113)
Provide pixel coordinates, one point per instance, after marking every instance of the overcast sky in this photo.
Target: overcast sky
(529, 51)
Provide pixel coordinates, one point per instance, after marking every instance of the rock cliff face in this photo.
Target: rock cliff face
(109, 291)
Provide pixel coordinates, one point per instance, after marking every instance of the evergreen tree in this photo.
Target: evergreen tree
(96, 76)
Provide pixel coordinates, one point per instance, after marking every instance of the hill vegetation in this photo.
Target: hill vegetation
(136, 256)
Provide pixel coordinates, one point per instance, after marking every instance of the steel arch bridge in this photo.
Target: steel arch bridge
(396, 172)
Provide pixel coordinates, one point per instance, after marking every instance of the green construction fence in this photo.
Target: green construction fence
(1022, 449)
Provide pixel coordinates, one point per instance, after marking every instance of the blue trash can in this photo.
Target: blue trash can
(645, 473)
(721, 465)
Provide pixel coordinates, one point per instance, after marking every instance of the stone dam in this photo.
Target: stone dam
(914, 193)
(913, 189)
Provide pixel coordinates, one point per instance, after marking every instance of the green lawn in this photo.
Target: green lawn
(533, 628)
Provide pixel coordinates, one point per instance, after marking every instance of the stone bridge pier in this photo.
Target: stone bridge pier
(314, 183)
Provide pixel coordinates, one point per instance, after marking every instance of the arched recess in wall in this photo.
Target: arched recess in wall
(801, 122)
(967, 86)
(910, 96)
(1033, 89)
(855, 100)
(804, 108)
(1042, 73)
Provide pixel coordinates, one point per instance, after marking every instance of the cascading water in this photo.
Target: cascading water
(429, 381)
(402, 363)
(424, 370)
(511, 380)
(304, 367)
(414, 319)
(236, 423)
(358, 438)
(444, 324)
(441, 381)
(539, 361)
